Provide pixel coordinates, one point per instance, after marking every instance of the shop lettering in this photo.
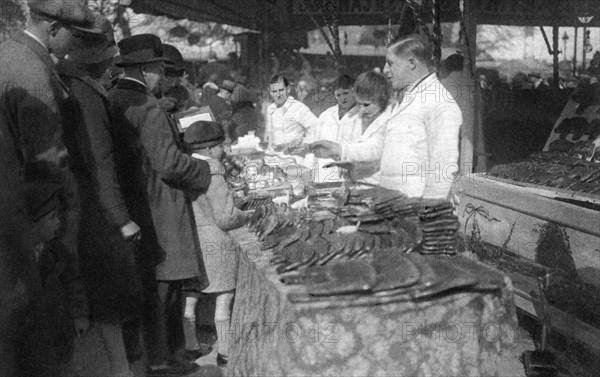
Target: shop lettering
(352, 7)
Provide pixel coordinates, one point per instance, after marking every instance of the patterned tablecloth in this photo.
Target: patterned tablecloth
(460, 334)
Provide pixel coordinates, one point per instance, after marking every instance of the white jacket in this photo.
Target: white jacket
(332, 128)
(289, 122)
(420, 152)
(369, 146)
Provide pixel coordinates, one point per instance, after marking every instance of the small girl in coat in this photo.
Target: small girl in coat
(215, 213)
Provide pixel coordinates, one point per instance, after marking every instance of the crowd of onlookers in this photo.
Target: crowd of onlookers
(112, 215)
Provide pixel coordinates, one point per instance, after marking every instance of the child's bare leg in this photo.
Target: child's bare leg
(223, 320)
(189, 322)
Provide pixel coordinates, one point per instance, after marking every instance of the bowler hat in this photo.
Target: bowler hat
(203, 134)
(141, 49)
(173, 54)
(41, 199)
(72, 12)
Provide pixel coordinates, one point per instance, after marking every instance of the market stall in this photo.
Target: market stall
(542, 216)
(339, 279)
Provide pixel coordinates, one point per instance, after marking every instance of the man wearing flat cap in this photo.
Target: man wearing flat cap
(31, 93)
(31, 123)
(153, 172)
(31, 89)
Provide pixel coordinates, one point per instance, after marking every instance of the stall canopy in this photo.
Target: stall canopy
(264, 15)
(271, 15)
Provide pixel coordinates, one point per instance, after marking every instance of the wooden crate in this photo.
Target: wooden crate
(511, 215)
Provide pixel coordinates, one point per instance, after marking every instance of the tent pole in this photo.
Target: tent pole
(555, 53)
(575, 54)
(583, 52)
(479, 158)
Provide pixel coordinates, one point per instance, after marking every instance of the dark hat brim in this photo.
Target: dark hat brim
(124, 61)
(93, 29)
(207, 144)
(94, 55)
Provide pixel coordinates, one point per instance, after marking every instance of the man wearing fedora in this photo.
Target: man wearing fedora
(153, 172)
(174, 96)
(107, 234)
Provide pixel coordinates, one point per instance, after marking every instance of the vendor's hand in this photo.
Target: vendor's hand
(325, 149)
(131, 232)
(167, 103)
(81, 325)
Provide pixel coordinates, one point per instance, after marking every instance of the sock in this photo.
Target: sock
(224, 335)
(189, 324)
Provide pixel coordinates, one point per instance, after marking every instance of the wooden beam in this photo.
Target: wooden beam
(561, 213)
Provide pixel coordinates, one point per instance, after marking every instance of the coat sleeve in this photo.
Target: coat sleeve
(172, 165)
(97, 124)
(227, 215)
(442, 137)
(368, 150)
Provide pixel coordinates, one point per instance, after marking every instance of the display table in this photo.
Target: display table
(460, 334)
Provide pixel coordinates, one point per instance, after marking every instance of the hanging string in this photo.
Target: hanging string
(314, 20)
(400, 22)
(437, 32)
(390, 36)
(416, 11)
(333, 10)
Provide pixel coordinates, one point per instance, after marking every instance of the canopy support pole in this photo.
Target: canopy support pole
(555, 53)
(575, 54)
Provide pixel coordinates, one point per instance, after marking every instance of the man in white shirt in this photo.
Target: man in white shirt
(288, 120)
(340, 123)
(420, 152)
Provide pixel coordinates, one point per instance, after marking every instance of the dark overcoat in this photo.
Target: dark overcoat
(153, 172)
(108, 262)
(31, 122)
(47, 334)
(31, 93)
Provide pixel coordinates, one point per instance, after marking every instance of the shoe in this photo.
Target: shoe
(173, 369)
(222, 360)
(193, 355)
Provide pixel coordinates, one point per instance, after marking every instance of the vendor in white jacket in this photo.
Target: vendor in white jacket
(372, 91)
(420, 150)
(288, 120)
(341, 122)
